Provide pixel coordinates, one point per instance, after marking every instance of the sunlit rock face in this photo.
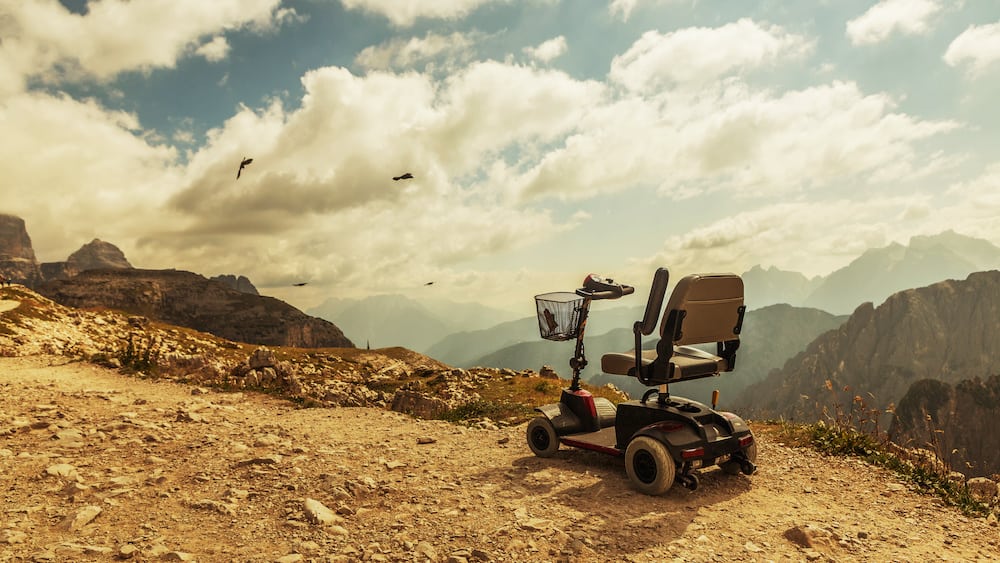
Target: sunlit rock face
(947, 331)
(190, 300)
(17, 257)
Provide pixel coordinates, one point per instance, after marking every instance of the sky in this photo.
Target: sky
(547, 138)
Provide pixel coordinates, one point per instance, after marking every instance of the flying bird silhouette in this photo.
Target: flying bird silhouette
(429, 283)
(243, 164)
(406, 176)
(300, 284)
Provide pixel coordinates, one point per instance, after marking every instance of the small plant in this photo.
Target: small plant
(495, 410)
(839, 439)
(545, 387)
(140, 355)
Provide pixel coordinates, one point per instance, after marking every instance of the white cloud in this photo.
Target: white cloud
(489, 143)
(400, 53)
(624, 8)
(43, 39)
(978, 47)
(814, 238)
(907, 17)
(697, 55)
(214, 50)
(83, 172)
(548, 50)
(404, 13)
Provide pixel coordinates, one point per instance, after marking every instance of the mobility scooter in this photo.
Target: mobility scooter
(666, 438)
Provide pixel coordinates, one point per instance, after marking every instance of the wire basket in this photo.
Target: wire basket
(558, 314)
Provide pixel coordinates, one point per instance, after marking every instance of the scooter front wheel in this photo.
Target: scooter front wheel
(542, 437)
(649, 465)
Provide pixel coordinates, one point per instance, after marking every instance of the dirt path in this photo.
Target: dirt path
(98, 466)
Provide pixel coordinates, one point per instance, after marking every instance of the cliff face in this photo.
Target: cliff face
(187, 299)
(17, 257)
(957, 422)
(947, 331)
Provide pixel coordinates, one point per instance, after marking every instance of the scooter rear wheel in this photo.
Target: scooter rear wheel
(649, 466)
(542, 437)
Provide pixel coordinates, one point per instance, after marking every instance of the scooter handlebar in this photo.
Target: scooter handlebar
(596, 287)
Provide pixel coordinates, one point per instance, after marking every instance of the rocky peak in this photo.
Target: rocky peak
(17, 257)
(241, 283)
(96, 255)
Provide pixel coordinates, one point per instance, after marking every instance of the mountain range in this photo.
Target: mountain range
(397, 320)
(466, 334)
(875, 275)
(947, 331)
(99, 276)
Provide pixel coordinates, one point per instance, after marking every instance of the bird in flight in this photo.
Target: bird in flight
(406, 176)
(243, 164)
(300, 284)
(429, 283)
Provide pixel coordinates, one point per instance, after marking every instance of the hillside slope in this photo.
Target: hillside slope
(97, 466)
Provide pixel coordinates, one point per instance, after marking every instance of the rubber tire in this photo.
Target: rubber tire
(752, 452)
(649, 466)
(542, 437)
(733, 467)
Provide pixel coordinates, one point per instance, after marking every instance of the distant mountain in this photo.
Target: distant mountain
(533, 355)
(396, 320)
(384, 320)
(875, 275)
(880, 272)
(946, 331)
(466, 349)
(770, 286)
(462, 349)
(95, 255)
(957, 422)
(190, 300)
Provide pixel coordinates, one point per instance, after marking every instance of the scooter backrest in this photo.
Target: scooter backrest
(704, 308)
(655, 302)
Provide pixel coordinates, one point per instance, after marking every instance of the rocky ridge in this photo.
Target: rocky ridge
(95, 465)
(190, 300)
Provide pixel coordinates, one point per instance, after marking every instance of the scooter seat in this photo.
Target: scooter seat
(620, 364)
(688, 362)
